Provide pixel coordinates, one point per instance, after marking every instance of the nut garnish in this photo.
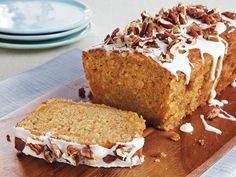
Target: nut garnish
(48, 155)
(19, 144)
(86, 152)
(168, 26)
(109, 158)
(55, 150)
(230, 15)
(72, 150)
(37, 148)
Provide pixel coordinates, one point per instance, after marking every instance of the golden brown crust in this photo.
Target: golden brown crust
(135, 82)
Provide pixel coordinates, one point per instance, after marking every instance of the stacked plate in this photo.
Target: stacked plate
(34, 24)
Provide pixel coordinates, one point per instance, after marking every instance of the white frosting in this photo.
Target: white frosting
(98, 151)
(225, 115)
(187, 128)
(209, 127)
(232, 22)
(224, 102)
(233, 84)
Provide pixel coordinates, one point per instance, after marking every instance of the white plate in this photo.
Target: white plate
(45, 44)
(42, 36)
(41, 16)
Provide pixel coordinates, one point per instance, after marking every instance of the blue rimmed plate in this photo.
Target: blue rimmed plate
(42, 16)
(13, 44)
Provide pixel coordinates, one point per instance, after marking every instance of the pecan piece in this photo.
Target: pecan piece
(48, 155)
(108, 39)
(194, 30)
(72, 150)
(37, 148)
(86, 152)
(230, 15)
(114, 33)
(109, 158)
(144, 29)
(56, 151)
(133, 30)
(19, 144)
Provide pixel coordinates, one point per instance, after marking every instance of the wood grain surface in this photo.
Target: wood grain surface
(183, 158)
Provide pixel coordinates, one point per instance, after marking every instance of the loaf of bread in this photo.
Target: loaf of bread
(167, 65)
(81, 133)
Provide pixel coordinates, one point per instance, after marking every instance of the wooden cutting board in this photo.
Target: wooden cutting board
(182, 158)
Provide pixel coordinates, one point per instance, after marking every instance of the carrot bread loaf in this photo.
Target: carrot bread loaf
(167, 65)
(82, 133)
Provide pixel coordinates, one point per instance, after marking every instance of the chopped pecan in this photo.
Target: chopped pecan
(161, 36)
(133, 30)
(48, 155)
(166, 24)
(230, 15)
(108, 39)
(144, 29)
(19, 144)
(86, 152)
(149, 30)
(194, 30)
(114, 33)
(183, 19)
(144, 15)
(37, 148)
(72, 150)
(55, 150)
(109, 158)
(195, 12)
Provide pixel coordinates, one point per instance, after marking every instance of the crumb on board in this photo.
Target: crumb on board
(201, 142)
(174, 136)
(211, 115)
(8, 138)
(82, 92)
(158, 156)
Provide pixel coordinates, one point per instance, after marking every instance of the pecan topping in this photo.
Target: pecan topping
(230, 15)
(108, 39)
(133, 30)
(109, 158)
(86, 152)
(144, 29)
(37, 148)
(56, 151)
(194, 30)
(19, 144)
(48, 155)
(72, 150)
(115, 32)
